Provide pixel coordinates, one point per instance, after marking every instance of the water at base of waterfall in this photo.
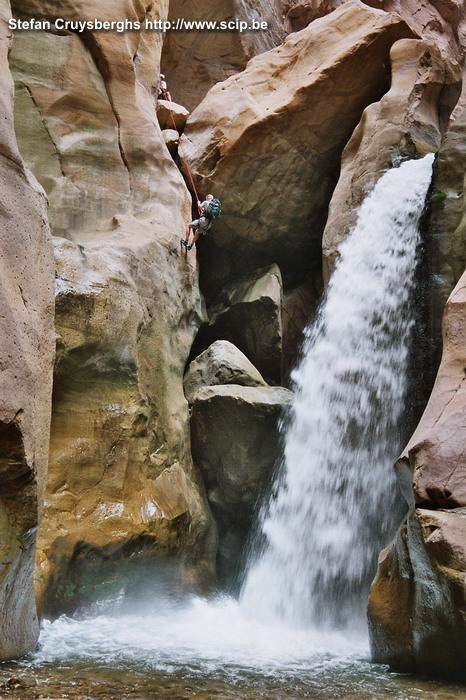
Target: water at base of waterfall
(203, 649)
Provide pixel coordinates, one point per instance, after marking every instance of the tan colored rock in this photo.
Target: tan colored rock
(417, 619)
(172, 140)
(128, 305)
(86, 121)
(248, 313)
(236, 445)
(407, 122)
(434, 461)
(221, 363)
(440, 22)
(171, 115)
(194, 60)
(271, 157)
(26, 360)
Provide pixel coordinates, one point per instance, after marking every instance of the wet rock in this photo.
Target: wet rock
(433, 465)
(417, 602)
(194, 60)
(221, 363)
(447, 226)
(236, 445)
(248, 314)
(407, 122)
(298, 308)
(271, 158)
(171, 115)
(26, 361)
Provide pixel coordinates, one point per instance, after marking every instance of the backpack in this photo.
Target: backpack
(214, 209)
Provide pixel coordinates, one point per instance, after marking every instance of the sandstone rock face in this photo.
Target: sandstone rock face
(26, 361)
(416, 609)
(172, 140)
(439, 22)
(435, 457)
(194, 60)
(407, 122)
(417, 602)
(236, 445)
(249, 315)
(271, 158)
(171, 115)
(221, 363)
(128, 305)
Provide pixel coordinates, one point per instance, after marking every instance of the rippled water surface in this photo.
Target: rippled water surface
(203, 650)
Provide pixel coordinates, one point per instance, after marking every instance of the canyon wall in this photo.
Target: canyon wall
(26, 361)
(127, 308)
(291, 141)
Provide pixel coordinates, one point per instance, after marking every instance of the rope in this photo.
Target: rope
(184, 162)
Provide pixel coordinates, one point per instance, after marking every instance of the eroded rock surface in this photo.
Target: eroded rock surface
(26, 360)
(221, 363)
(128, 306)
(236, 445)
(194, 60)
(272, 158)
(407, 122)
(417, 603)
(435, 457)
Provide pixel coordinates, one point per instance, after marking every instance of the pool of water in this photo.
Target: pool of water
(202, 649)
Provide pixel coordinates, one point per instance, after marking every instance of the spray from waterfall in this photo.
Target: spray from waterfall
(333, 504)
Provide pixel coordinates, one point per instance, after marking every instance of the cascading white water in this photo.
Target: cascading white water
(333, 505)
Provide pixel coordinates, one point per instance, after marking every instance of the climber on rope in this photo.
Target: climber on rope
(209, 210)
(163, 89)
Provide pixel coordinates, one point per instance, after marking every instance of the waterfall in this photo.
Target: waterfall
(334, 503)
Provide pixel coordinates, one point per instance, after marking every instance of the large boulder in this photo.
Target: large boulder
(128, 305)
(441, 23)
(407, 122)
(248, 313)
(417, 604)
(236, 444)
(171, 115)
(271, 157)
(221, 363)
(26, 362)
(196, 59)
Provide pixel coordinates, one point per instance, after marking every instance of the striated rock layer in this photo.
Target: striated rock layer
(128, 305)
(26, 360)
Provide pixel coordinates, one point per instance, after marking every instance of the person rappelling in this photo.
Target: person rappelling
(209, 210)
(164, 93)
